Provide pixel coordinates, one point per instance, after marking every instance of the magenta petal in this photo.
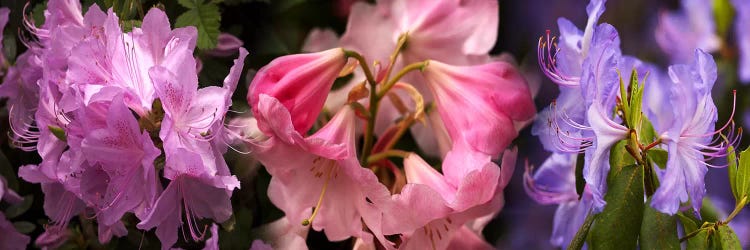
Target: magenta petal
(300, 82)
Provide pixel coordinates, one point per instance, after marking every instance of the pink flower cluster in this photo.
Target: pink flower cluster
(116, 115)
(465, 107)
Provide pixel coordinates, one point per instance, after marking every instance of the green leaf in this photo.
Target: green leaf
(709, 211)
(742, 183)
(580, 237)
(580, 181)
(658, 230)
(38, 13)
(647, 134)
(732, 171)
(658, 156)
(702, 240)
(618, 225)
(205, 17)
(24, 227)
(20, 208)
(723, 15)
(6, 170)
(727, 238)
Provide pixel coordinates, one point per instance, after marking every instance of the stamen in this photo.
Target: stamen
(730, 120)
(330, 169)
(547, 60)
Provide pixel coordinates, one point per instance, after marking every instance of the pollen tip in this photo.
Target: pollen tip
(305, 222)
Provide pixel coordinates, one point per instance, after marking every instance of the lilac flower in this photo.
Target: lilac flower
(554, 183)
(681, 32)
(743, 38)
(99, 135)
(688, 139)
(12, 239)
(126, 157)
(562, 127)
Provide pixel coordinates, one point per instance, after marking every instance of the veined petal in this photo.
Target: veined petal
(597, 163)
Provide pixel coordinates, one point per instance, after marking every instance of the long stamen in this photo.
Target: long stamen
(547, 60)
(729, 121)
(308, 221)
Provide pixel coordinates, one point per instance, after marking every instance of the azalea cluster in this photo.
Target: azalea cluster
(405, 66)
(114, 110)
(653, 112)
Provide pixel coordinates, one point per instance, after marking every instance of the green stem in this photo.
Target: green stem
(388, 85)
(394, 56)
(691, 234)
(737, 209)
(741, 204)
(374, 102)
(363, 64)
(387, 154)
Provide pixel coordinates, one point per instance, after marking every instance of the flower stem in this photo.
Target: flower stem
(387, 154)
(741, 204)
(363, 64)
(388, 85)
(394, 56)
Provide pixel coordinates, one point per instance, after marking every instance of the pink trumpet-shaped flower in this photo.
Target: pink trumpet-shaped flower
(300, 82)
(495, 90)
(320, 171)
(429, 224)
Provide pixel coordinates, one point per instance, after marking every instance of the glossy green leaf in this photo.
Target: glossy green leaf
(618, 225)
(205, 17)
(732, 171)
(658, 156)
(727, 238)
(658, 230)
(742, 179)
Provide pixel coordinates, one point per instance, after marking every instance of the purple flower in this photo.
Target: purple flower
(554, 183)
(688, 139)
(12, 239)
(743, 38)
(562, 127)
(681, 32)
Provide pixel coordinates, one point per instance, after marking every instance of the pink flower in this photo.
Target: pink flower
(495, 90)
(441, 30)
(126, 156)
(479, 194)
(300, 82)
(226, 45)
(12, 239)
(195, 192)
(281, 234)
(320, 171)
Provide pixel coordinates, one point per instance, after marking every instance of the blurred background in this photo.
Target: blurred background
(272, 28)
